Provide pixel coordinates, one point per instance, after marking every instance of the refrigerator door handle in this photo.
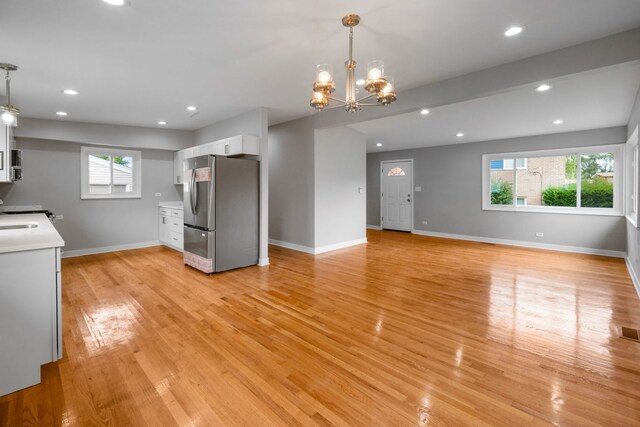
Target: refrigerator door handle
(194, 192)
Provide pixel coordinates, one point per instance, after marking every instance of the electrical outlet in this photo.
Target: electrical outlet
(360, 190)
(158, 194)
(539, 234)
(418, 189)
(424, 222)
(58, 216)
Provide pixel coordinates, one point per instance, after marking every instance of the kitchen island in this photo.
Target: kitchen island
(30, 299)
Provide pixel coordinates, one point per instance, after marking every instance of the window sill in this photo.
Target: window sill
(562, 211)
(633, 220)
(102, 197)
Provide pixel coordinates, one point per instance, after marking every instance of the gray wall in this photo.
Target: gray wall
(633, 235)
(291, 199)
(255, 122)
(451, 196)
(340, 169)
(52, 179)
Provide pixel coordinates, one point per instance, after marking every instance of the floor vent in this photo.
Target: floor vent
(630, 334)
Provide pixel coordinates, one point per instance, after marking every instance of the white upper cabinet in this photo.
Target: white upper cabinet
(248, 145)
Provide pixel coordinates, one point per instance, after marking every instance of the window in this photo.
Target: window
(579, 180)
(507, 164)
(110, 173)
(631, 179)
(396, 172)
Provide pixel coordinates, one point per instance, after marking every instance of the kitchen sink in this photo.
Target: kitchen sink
(17, 226)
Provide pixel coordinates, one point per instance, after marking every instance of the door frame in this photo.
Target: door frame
(411, 187)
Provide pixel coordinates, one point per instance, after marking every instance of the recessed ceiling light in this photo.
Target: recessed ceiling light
(360, 82)
(191, 108)
(61, 113)
(162, 122)
(379, 144)
(70, 92)
(424, 111)
(543, 88)
(558, 122)
(114, 2)
(459, 134)
(513, 31)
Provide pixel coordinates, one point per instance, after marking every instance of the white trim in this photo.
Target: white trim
(413, 199)
(263, 262)
(105, 249)
(294, 246)
(342, 245)
(524, 244)
(374, 227)
(619, 173)
(633, 274)
(631, 175)
(318, 250)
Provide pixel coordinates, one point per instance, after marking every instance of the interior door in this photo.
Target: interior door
(396, 196)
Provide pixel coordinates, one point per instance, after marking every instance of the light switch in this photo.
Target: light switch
(418, 188)
(158, 194)
(360, 190)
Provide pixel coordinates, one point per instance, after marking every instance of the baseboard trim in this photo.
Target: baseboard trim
(318, 250)
(342, 245)
(374, 227)
(295, 247)
(633, 274)
(524, 244)
(263, 262)
(105, 249)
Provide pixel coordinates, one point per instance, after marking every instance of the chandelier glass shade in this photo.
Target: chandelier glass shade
(8, 113)
(377, 84)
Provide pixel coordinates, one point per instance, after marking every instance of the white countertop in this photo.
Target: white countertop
(171, 205)
(27, 239)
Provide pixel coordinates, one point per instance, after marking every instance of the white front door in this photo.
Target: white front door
(396, 196)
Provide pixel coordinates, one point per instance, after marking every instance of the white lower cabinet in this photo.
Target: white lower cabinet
(30, 316)
(170, 227)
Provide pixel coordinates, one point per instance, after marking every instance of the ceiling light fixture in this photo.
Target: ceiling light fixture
(377, 84)
(459, 134)
(162, 123)
(424, 111)
(543, 88)
(191, 108)
(61, 113)
(379, 144)
(114, 2)
(513, 31)
(558, 122)
(70, 92)
(9, 113)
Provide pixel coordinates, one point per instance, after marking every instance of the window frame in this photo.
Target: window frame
(632, 179)
(86, 151)
(618, 199)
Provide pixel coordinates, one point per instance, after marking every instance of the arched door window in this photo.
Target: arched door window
(396, 172)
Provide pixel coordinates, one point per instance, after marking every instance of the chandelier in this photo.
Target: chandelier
(8, 113)
(377, 84)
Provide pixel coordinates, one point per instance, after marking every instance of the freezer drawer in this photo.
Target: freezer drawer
(199, 242)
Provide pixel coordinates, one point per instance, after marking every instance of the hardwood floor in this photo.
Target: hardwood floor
(407, 330)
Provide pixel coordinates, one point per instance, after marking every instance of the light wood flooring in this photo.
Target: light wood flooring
(406, 330)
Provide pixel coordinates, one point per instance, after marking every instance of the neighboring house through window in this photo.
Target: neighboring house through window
(578, 180)
(110, 173)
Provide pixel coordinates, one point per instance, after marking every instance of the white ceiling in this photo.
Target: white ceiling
(599, 99)
(147, 61)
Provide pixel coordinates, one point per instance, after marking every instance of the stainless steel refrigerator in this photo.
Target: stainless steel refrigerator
(221, 213)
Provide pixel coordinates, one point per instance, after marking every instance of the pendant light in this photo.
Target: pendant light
(8, 113)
